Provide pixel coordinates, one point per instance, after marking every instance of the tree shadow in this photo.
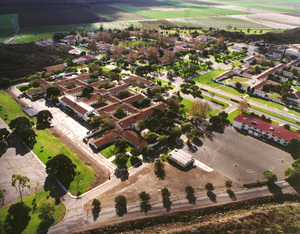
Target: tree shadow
(122, 174)
(192, 148)
(17, 218)
(167, 204)
(191, 198)
(135, 161)
(212, 196)
(121, 210)
(231, 194)
(295, 182)
(3, 148)
(145, 207)
(56, 191)
(43, 126)
(198, 142)
(161, 174)
(45, 225)
(274, 189)
(96, 212)
(13, 141)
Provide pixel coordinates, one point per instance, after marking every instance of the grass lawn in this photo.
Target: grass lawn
(256, 31)
(297, 87)
(34, 222)
(236, 63)
(51, 146)
(226, 105)
(232, 115)
(28, 39)
(110, 150)
(10, 108)
(231, 90)
(237, 79)
(294, 112)
(187, 103)
(206, 78)
(268, 103)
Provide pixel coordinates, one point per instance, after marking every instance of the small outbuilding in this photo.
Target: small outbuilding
(181, 158)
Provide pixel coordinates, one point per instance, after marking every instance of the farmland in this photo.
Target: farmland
(172, 14)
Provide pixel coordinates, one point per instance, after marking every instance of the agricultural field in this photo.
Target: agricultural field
(6, 21)
(155, 24)
(219, 22)
(172, 14)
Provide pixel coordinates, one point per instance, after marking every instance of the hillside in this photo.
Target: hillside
(22, 60)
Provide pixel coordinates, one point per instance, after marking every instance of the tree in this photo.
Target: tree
(199, 109)
(4, 133)
(52, 92)
(96, 209)
(20, 123)
(151, 137)
(28, 136)
(121, 160)
(165, 193)
(44, 117)
(46, 215)
(162, 140)
(145, 197)
(209, 187)
(228, 184)
(238, 85)
(189, 190)
(119, 110)
(20, 183)
(62, 167)
(120, 144)
(243, 106)
(70, 85)
(159, 169)
(293, 172)
(121, 205)
(93, 45)
(270, 176)
(132, 57)
(135, 152)
(87, 90)
(124, 94)
(294, 148)
(2, 196)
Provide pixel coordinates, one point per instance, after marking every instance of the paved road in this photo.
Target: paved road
(83, 221)
(71, 128)
(18, 159)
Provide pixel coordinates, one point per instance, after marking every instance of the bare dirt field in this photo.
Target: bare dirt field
(274, 20)
(175, 180)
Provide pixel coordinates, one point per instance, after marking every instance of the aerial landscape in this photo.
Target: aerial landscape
(157, 116)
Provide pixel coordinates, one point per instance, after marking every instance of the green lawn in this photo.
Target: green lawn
(10, 108)
(294, 112)
(110, 150)
(236, 79)
(226, 105)
(51, 146)
(172, 14)
(232, 115)
(231, 90)
(297, 87)
(28, 39)
(268, 103)
(42, 197)
(187, 103)
(206, 78)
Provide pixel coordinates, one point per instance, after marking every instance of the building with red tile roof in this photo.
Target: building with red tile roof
(52, 68)
(264, 130)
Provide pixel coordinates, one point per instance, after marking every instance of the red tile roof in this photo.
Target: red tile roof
(74, 105)
(134, 138)
(51, 68)
(117, 88)
(278, 131)
(105, 138)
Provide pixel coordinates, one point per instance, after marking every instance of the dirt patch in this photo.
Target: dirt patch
(175, 181)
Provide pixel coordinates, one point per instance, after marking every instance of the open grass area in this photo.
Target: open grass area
(42, 197)
(28, 39)
(263, 31)
(225, 105)
(171, 14)
(297, 87)
(268, 103)
(206, 78)
(294, 112)
(10, 109)
(232, 115)
(48, 146)
(187, 103)
(231, 90)
(110, 150)
(236, 79)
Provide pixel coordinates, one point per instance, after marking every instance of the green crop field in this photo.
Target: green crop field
(6, 21)
(218, 22)
(171, 14)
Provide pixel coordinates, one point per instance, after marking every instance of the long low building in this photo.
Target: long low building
(264, 130)
(181, 158)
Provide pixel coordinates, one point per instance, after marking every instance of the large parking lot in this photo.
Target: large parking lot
(241, 158)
